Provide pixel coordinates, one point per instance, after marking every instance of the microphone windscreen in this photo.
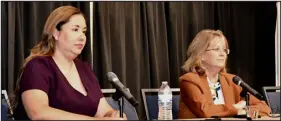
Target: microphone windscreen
(111, 76)
(236, 79)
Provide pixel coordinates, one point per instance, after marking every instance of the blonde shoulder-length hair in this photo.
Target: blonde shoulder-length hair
(197, 47)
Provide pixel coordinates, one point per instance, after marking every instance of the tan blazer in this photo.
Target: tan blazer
(196, 100)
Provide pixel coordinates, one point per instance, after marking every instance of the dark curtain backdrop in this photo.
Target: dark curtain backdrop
(145, 43)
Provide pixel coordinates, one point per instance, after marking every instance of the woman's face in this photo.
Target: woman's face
(71, 38)
(216, 53)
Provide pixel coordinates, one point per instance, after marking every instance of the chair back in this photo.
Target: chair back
(6, 109)
(128, 109)
(272, 97)
(150, 99)
(4, 112)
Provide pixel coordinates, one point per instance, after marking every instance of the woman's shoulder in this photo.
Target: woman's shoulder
(190, 76)
(40, 63)
(40, 58)
(194, 77)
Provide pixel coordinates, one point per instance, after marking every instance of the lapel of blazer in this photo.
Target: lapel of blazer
(226, 90)
(206, 88)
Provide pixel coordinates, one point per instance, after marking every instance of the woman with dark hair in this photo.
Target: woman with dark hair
(54, 83)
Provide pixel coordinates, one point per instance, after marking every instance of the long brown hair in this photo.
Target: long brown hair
(197, 47)
(46, 47)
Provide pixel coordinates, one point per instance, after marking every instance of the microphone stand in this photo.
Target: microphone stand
(244, 94)
(118, 97)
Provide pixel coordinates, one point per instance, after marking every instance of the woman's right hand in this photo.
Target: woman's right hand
(240, 105)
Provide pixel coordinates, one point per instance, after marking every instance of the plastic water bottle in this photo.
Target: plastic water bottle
(165, 102)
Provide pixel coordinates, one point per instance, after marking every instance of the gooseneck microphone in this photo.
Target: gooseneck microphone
(237, 80)
(113, 79)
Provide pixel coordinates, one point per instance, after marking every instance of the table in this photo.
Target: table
(271, 117)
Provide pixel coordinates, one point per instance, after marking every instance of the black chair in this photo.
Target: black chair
(6, 110)
(272, 97)
(128, 109)
(150, 99)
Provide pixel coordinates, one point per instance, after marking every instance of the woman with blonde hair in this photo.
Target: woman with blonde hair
(55, 84)
(206, 89)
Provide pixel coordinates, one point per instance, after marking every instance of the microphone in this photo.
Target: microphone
(237, 80)
(113, 79)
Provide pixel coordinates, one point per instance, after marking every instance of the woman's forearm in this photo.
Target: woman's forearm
(49, 113)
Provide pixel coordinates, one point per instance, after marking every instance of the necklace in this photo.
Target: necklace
(214, 87)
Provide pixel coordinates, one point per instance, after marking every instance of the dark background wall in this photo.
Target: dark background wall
(145, 43)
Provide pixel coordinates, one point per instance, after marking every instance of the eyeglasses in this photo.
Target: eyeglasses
(226, 51)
